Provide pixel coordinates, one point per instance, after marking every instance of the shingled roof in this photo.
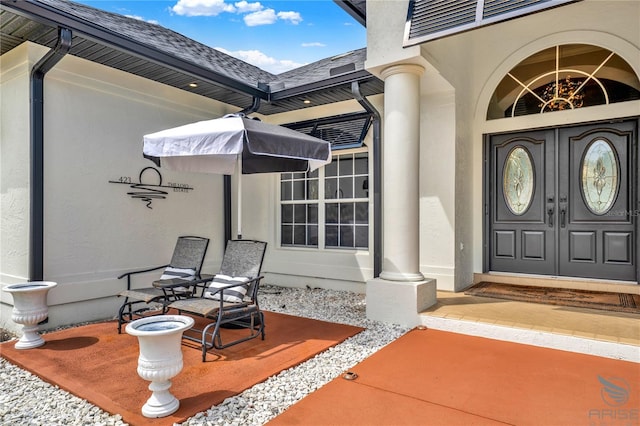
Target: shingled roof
(157, 53)
(166, 40)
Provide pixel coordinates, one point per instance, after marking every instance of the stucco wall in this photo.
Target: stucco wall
(437, 188)
(438, 157)
(467, 67)
(475, 62)
(298, 267)
(14, 170)
(95, 118)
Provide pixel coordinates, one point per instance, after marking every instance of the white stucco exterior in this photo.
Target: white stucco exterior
(475, 62)
(94, 121)
(462, 72)
(14, 172)
(95, 118)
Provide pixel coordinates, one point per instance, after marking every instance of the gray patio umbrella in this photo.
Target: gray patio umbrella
(236, 142)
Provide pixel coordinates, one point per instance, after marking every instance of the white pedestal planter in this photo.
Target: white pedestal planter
(160, 358)
(29, 308)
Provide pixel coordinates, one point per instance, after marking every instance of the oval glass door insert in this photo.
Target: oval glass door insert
(518, 179)
(599, 177)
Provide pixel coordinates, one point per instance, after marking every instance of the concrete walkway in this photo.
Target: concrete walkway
(485, 361)
(432, 377)
(589, 331)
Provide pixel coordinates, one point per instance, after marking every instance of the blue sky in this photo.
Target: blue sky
(273, 35)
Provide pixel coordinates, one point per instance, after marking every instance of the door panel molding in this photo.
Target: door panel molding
(618, 248)
(582, 247)
(533, 245)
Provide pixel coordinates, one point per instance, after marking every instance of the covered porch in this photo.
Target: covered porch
(395, 372)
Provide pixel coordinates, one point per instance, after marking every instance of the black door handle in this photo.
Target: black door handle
(563, 216)
(550, 209)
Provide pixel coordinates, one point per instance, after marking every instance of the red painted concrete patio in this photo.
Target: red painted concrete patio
(430, 377)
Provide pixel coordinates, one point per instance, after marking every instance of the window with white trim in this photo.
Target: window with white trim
(329, 207)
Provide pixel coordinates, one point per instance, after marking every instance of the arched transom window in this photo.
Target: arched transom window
(564, 77)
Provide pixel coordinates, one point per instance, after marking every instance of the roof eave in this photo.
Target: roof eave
(48, 15)
(348, 78)
(353, 11)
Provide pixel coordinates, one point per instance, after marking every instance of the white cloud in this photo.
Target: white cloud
(202, 7)
(140, 18)
(314, 44)
(293, 17)
(285, 65)
(254, 12)
(246, 7)
(260, 60)
(262, 17)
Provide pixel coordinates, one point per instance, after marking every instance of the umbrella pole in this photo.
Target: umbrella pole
(239, 192)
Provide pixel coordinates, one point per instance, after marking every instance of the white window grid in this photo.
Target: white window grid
(338, 192)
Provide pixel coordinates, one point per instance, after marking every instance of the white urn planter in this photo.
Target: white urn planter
(30, 308)
(160, 358)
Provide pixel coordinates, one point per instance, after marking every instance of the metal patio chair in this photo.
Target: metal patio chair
(230, 299)
(184, 269)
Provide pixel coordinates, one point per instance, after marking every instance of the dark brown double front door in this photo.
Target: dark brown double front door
(564, 202)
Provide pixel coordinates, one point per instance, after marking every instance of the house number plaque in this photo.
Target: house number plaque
(149, 186)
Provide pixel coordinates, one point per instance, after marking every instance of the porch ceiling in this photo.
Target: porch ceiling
(161, 55)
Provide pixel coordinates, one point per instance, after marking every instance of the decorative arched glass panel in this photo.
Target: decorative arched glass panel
(564, 77)
(599, 176)
(518, 177)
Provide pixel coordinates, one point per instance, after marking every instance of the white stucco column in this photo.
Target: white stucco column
(401, 291)
(401, 155)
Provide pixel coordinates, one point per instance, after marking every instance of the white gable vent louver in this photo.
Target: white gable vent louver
(431, 19)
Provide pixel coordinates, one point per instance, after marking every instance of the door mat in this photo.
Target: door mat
(607, 301)
(96, 363)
